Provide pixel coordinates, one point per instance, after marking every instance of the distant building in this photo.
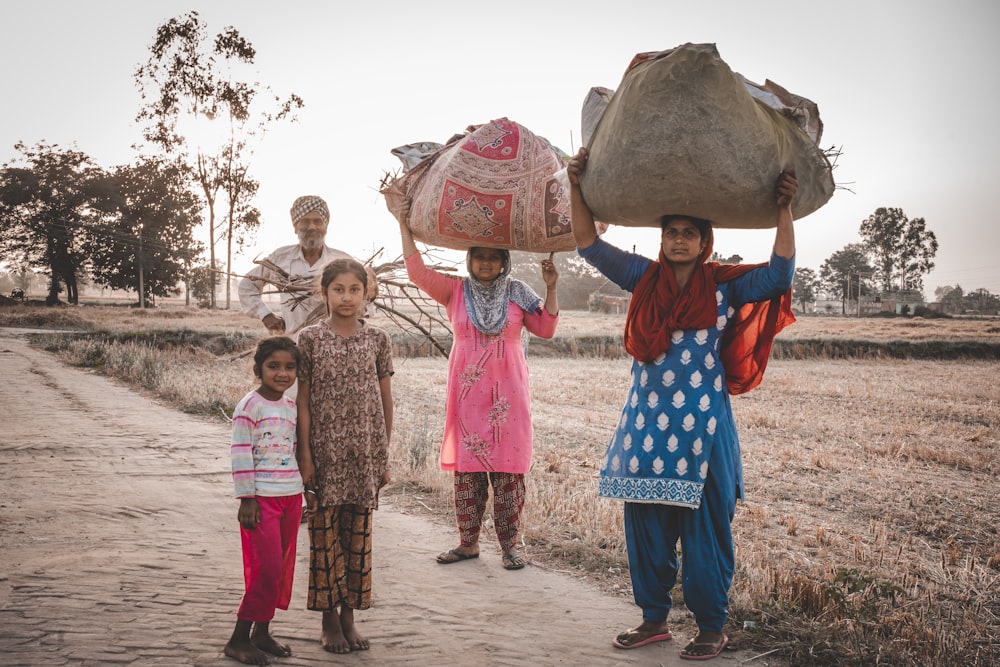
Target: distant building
(903, 302)
(607, 303)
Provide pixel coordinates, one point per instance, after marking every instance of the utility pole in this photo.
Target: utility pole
(847, 295)
(142, 286)
(859, 295)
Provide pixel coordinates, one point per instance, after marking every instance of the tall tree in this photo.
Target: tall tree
(187, 79)
(145, 242)
(903, 249)
(845, 270)
(49, 206)
(804, 286)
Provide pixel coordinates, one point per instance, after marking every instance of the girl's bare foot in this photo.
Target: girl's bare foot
(333, 639)
(269, 644)
(261, 638)
(245, 652)
(350, 631)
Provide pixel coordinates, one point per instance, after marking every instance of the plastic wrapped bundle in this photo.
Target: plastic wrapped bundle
(684, 134)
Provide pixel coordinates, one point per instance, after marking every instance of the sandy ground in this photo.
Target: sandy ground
(119, 546)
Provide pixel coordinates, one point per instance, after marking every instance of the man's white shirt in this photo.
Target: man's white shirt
(290, 259)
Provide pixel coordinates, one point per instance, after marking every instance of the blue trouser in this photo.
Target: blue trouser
(651, 535)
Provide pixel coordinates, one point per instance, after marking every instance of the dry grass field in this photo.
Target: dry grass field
(869, 532)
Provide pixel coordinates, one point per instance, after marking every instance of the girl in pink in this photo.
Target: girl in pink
(269, 486)
(487, 432)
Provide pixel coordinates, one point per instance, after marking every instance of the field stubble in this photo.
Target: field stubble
(868, 534)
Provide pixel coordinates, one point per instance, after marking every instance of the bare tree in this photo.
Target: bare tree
(189, 79)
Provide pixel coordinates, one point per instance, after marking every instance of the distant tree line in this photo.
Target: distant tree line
(894, 255)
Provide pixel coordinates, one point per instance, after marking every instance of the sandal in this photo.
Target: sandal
(513, 561)
(453, 556)
(695, 651)
(630, 638)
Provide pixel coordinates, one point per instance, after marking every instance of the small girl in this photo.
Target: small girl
(345, 421)
(269, 486)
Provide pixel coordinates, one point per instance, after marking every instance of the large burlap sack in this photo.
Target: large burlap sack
(493, 186)
(684, 134)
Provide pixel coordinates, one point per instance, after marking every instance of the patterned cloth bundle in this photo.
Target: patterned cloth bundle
(493, 186)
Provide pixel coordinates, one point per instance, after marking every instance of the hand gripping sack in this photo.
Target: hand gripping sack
(493, 187)
(684, 134)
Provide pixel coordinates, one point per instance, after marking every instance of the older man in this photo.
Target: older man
(306, 259)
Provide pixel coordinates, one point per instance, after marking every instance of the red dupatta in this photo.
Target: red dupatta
(658, 309)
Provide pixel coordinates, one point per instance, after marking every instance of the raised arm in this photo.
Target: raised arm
(405, 235)
(581, 218)
(551, 276)
(784, 236)
(437, 285)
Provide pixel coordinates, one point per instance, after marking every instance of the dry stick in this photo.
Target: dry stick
(420, 306)
(760, 655)
(301, 289)
(416, 324)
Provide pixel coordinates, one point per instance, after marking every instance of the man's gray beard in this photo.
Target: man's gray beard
(311, 242)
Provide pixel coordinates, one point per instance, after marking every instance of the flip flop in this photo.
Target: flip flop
(704, 656)
(451, 556)
(662, 637)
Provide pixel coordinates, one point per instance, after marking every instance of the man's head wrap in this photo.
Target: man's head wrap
(305, 205)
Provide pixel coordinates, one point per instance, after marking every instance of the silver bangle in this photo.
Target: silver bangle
(310, 491)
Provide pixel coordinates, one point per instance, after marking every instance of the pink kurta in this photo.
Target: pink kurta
(488, 413)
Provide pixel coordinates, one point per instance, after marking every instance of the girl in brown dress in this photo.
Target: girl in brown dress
(344, 421)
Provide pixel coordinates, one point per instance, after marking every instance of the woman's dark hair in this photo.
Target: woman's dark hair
(338, 266)
(268, 346)
(703, 225)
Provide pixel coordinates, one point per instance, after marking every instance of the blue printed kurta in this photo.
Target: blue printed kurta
(678, 410)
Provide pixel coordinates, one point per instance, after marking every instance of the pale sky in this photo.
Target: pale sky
(907, 91)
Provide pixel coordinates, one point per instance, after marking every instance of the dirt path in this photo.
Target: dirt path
(119, 546)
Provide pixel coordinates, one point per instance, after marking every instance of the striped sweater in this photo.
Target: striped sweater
(263, 447)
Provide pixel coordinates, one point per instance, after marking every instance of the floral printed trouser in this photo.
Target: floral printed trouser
(472, 490)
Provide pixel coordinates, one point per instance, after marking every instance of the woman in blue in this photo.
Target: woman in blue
(698, 332)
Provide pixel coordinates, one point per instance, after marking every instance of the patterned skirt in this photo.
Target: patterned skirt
(340, 558)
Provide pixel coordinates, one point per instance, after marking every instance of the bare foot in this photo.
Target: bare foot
(269, 644)
(357, 642)
(646, 632)
(333, 639)
(245, 652)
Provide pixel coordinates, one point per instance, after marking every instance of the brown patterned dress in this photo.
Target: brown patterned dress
(350, 449)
